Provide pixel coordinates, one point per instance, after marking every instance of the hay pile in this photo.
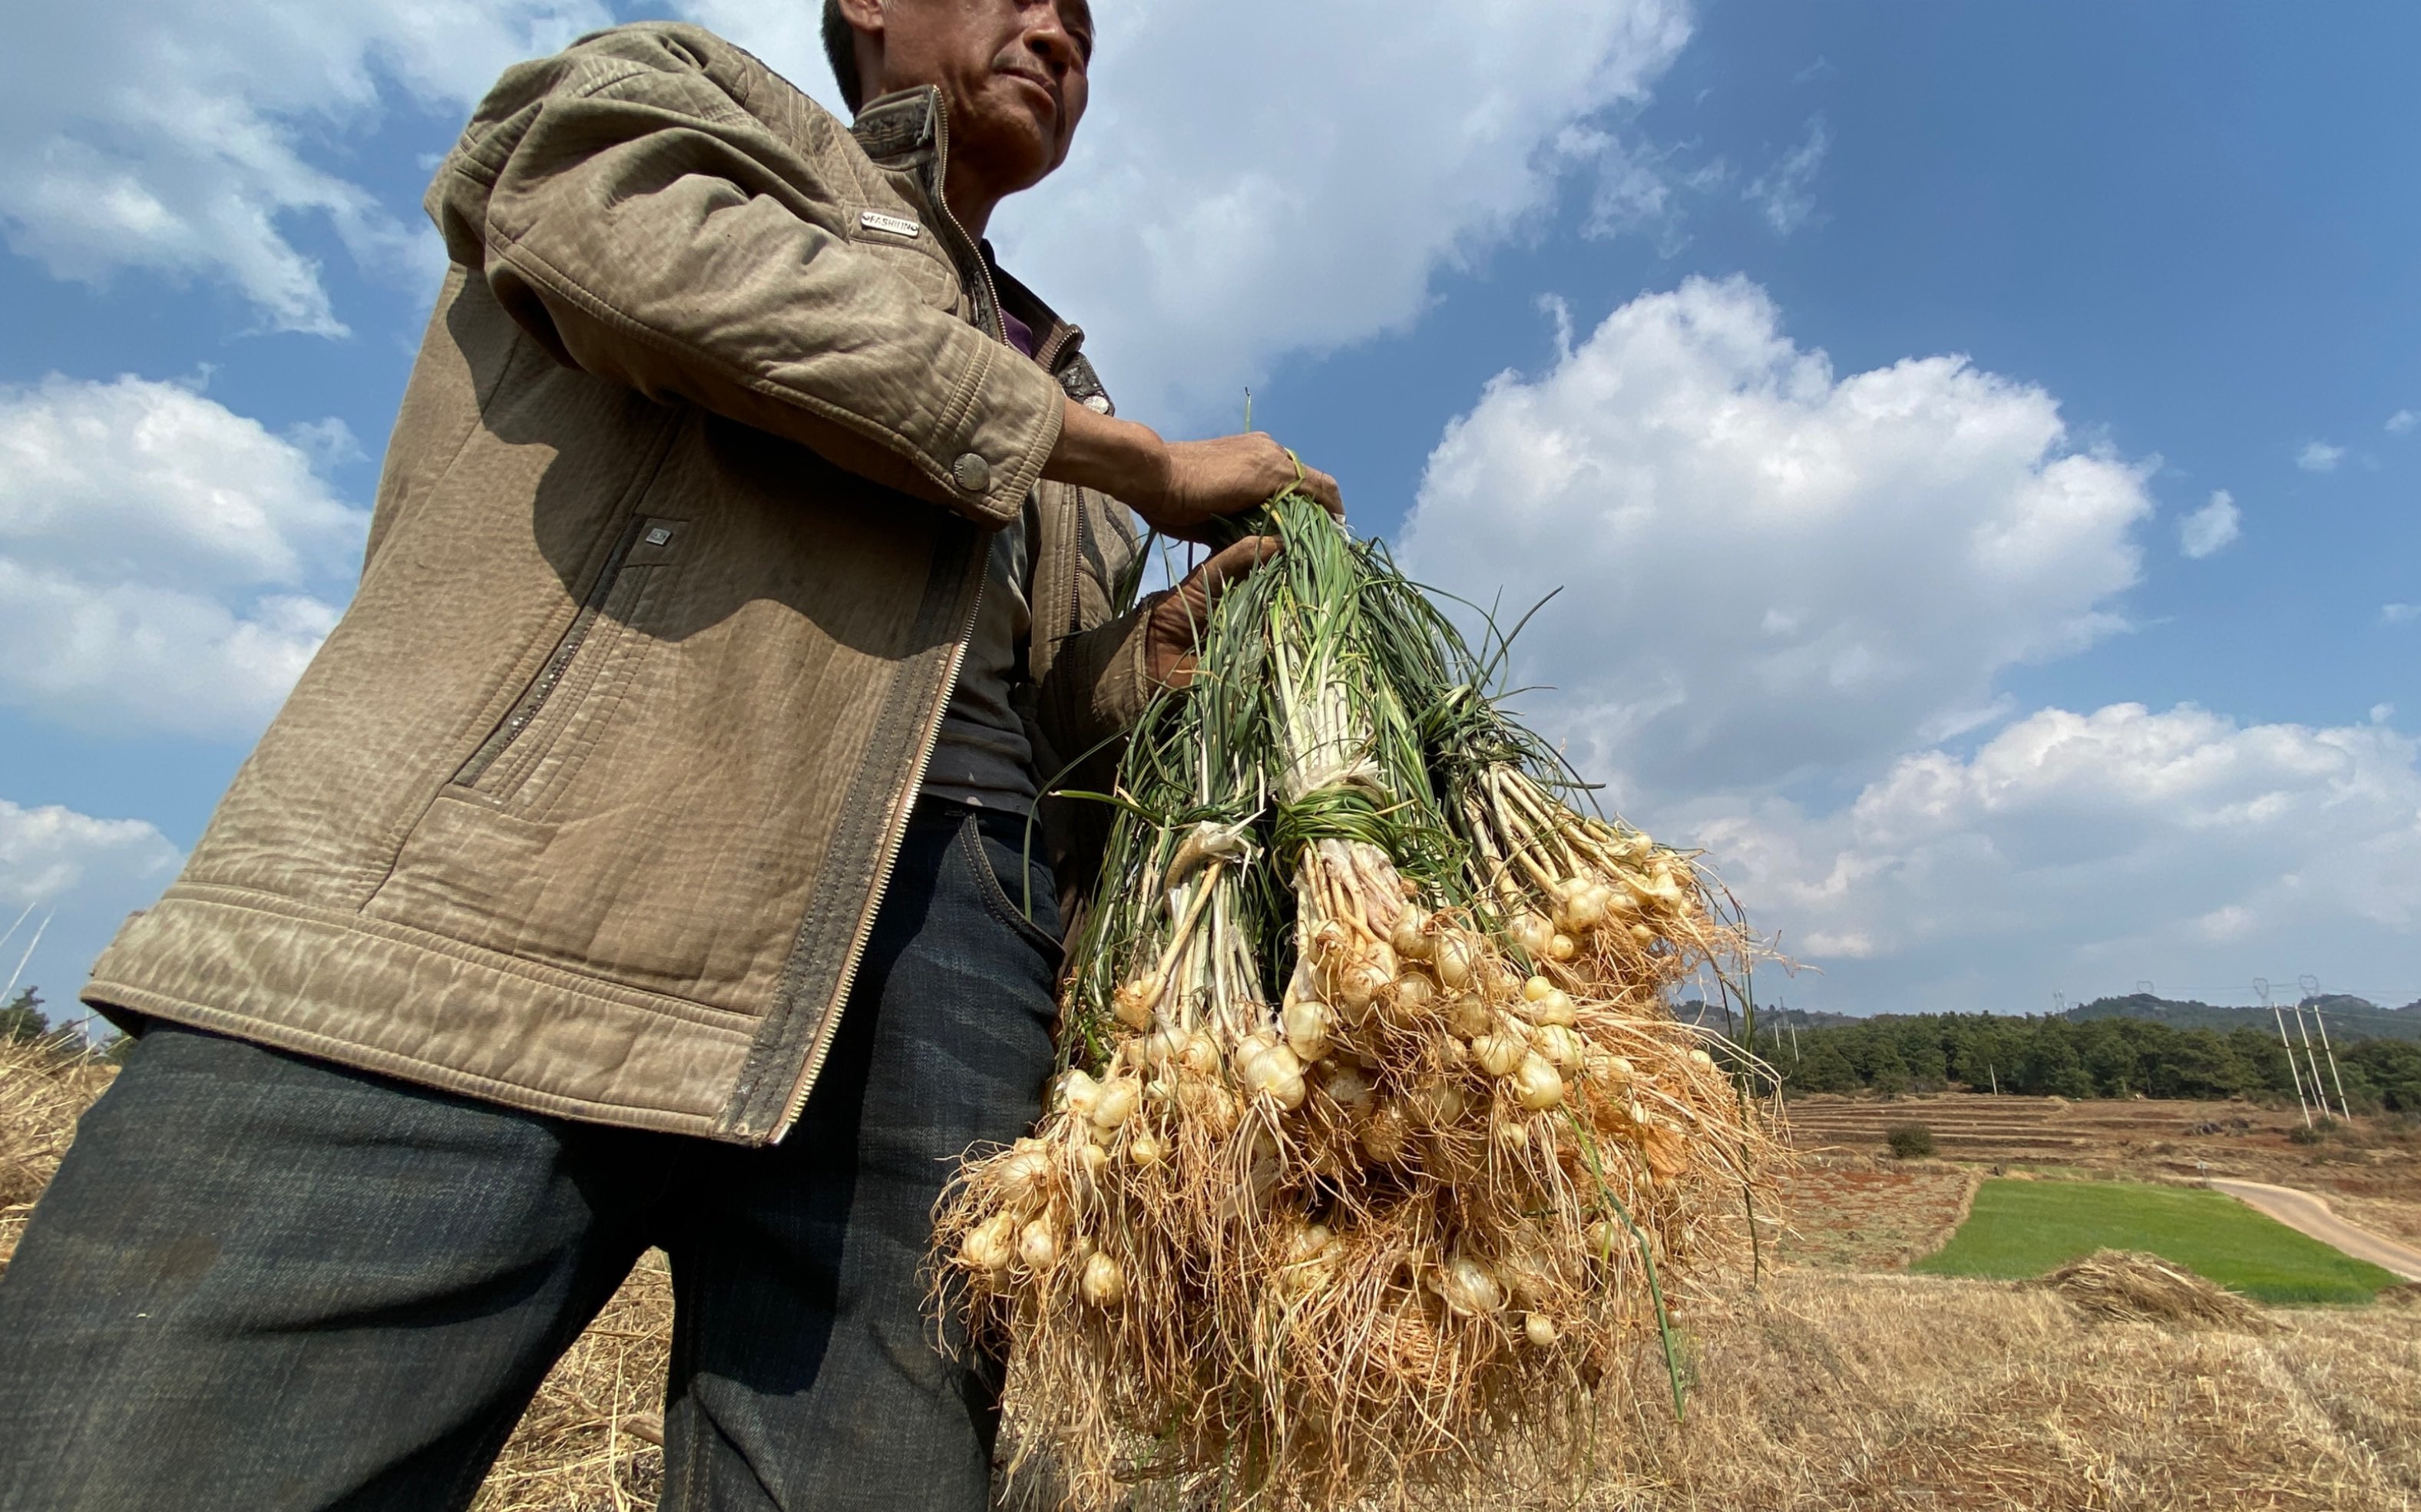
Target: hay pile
(45, 1087)
(1378, 1142)
(2131, 1287)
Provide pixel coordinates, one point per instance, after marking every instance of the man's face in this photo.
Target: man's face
(1010, 71)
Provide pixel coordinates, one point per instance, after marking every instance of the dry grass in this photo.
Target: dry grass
(2129, 1287)
(1859, 1391)
(42, 1092)
(1825, 1391)
(590, 1441)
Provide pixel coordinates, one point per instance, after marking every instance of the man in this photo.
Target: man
(639, 862)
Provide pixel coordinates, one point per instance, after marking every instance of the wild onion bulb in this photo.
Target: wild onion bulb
(1103, 1282)
(1200, 1055)
(1469, 1017)
(1539, 1330)
(1561, 947)
(1409, 938)
(1532, 932)
(1451, 959)
(1356, 984)
(1116, 1101)
(1537, 1083)
(1561, 1047)
(1037, 1245)
(1144, 1150)
(1584, 904)
(1469, 1286)
(1134, 1002)
(1384, 1134)
(1268, 1067)
(1435, 1104)
(1079, 1093)
(1548, 1003)
(1345, 1086)
(1500, 1054)
(988, 1245)
(1306, 1029)
(1024, 1170)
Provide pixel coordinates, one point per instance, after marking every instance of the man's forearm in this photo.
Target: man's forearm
(1178, 487)
(1125, 461)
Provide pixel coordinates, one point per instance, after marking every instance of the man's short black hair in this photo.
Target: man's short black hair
(841, 46)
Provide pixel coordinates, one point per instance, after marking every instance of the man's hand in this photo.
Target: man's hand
(1174, 629)
(1179, 486)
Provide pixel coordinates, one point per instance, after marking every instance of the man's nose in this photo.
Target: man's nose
(1049, 38)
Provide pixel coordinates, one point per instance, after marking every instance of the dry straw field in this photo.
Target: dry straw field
(1840, 1383)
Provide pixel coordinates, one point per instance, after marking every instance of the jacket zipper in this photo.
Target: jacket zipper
(893, 841)
(891, 844)
(533, 701)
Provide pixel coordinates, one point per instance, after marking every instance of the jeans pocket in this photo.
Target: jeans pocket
(1003, 880)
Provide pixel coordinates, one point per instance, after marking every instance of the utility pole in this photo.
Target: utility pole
(1994, 1072)
(2311, 986)
(2311, 1062)
(2261, 986)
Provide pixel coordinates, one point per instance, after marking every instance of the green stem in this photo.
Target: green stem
(1646, 1258)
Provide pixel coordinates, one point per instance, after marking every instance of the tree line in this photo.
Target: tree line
(2072, 1058)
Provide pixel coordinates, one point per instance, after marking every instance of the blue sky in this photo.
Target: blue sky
(1653, 301)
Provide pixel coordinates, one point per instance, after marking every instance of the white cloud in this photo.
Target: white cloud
(180, 138)
(1785, 193)
(2398, 614)
(165, 563)
(2089, 850)
(1770, 570)
(1208, 223)
(2403, 422)
(2210, 527)
(82, 875)
(2320, 457)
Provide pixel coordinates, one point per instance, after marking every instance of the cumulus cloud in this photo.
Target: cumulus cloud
(82, 876)
(2320, 457)
(165, 563)
(1785, 194)
(1202, 231)
(184, 138)
(1770, 569)
(2403, 422)
(2088, 850)
(2210, 527)
(2398, 614)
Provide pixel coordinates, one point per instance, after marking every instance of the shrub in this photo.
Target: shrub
(1909, 1142)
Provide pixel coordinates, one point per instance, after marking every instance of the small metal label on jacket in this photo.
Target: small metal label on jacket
(874, 220)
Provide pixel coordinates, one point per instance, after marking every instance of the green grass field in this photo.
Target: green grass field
(2024, 1229)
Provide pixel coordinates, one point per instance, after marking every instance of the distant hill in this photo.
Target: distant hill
(1693, 1011)
(2349, 1018)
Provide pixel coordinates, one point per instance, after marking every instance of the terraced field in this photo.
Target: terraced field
(2148, 1137)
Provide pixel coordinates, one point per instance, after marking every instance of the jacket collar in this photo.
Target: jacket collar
(902, 128)
(909, 130)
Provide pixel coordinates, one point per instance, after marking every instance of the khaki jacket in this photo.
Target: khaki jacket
(587, 803)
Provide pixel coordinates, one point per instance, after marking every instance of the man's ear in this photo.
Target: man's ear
(865, 16)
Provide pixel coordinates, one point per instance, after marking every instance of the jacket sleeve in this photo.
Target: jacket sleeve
(645, 227)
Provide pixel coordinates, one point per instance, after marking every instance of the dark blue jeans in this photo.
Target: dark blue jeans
(261, 1281)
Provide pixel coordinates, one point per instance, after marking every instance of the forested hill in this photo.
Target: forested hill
(2347, 1018)
(2102, 1056)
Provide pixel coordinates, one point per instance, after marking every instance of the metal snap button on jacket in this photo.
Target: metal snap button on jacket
(971, 473)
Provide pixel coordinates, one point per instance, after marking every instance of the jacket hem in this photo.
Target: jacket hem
(260, 968)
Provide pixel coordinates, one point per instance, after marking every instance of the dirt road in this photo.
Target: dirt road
(2310, 1214)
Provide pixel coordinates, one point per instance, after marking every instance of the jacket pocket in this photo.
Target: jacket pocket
(551, 728)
